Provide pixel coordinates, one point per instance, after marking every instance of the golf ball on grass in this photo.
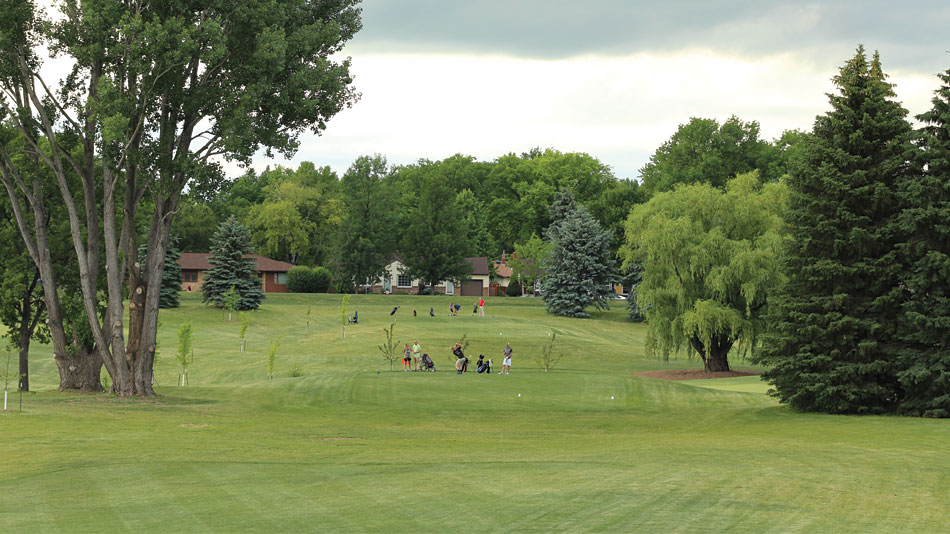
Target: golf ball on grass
(519, 394)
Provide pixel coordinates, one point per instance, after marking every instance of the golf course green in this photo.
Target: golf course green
(339, 442)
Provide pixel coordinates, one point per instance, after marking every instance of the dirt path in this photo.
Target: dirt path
(693, 374)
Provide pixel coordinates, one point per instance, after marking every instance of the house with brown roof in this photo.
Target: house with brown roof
(394, 281)
(272, 273)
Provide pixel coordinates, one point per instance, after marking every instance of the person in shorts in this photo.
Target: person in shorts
(506, 364)
(416, 354)
(481, 307)
(406, 358)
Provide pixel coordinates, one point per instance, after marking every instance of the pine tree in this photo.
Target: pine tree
(171, 275)
(579, 266)
(171, 278)
(632, 279)
(232, 268)
(832, 338)
(925, 358)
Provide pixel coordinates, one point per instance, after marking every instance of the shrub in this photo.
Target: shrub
(300, 279)
(320, 277)
(513, 289)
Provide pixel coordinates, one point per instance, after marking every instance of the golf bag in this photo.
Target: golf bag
(427, 363)
(484, 366)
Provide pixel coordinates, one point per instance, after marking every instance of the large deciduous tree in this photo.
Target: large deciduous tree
(710, 260)
(365, 242)
(703, 151)
(832, 344)
(435, 243)
(40, 261)
(925, 332)
(580, 264)
(528, 261)
(156, 91)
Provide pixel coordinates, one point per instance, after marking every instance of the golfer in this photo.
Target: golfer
(416, 353)
(481, 307)
(506, 364)
(406, 358)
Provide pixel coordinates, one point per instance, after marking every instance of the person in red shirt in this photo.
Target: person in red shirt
(481, 307)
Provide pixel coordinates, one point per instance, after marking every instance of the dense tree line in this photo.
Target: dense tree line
(432, 213)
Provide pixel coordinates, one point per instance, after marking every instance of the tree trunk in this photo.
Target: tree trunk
(716, 356)
(25, 367)
(80, 371)
(23, 341)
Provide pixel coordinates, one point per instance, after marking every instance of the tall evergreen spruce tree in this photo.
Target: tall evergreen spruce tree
(832, 344)
(579, 266)
(229, 248)
(925, 362)
(171, 275)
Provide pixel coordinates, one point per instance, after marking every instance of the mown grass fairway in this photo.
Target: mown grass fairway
(350, 446)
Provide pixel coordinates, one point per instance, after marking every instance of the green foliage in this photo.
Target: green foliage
(8, 375)
(278, 230)
(710, 260)
(703, 151)
(548, 357)
(272, 356)
(580, 264)
(528, 261)
(230, 301)
(513, 289)
(302, 279)
(475, 224)
(185, 354)
(924, 364)
(389, 348)
(832, 341)
(365, 243)
(171, 275)
(245, 324)
(632, 280)
(194, 224)
(344, 319)
(232, 268)
(435, 244)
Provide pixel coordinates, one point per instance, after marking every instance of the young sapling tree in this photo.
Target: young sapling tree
(548, 358)
(185, 354)
(272, 356)
(245, 322)
(308, 318)
(389, 348)
(230, 301)
(7, 376)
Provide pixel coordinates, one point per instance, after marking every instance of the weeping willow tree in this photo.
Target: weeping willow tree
(710, 258)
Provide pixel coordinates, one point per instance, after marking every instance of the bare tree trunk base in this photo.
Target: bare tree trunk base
(80, 372)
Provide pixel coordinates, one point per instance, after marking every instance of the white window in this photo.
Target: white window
(449, 288)
(280, 278)
(404, 281)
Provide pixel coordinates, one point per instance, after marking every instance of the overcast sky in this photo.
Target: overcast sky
(613, 78)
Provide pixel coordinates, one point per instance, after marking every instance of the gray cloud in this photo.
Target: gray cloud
(911, 36)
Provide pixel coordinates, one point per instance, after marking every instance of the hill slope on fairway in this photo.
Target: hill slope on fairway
(347, 445)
